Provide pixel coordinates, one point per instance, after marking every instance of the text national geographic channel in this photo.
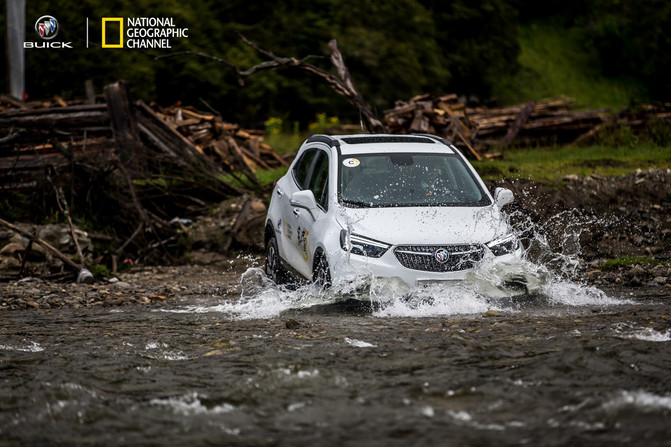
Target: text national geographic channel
(140, 32)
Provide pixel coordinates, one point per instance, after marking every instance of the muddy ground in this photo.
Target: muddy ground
(590, 219)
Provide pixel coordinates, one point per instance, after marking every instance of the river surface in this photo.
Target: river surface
(570, 366)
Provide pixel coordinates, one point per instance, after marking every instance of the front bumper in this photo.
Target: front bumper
(351, 266)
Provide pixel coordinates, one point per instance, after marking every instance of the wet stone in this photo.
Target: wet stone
(292, 324)
(635, 282)
(635, 272)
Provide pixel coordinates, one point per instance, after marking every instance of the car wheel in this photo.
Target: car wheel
(321, 274)
(274, 268)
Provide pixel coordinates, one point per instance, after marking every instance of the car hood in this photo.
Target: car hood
(424, 225)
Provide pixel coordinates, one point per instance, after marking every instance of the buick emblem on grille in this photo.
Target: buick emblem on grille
(441, 255)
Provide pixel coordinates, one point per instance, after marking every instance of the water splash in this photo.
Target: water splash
(25, 346)
(192, 404)
(626, 330)
(546, 274)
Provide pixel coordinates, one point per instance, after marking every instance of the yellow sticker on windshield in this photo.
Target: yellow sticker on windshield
(351, 162)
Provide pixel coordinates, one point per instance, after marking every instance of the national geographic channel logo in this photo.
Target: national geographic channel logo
(47, 27)
(140, 32)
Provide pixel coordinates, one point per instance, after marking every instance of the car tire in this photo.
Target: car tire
(321, 274)
(274, 269)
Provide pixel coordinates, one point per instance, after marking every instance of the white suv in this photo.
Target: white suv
(405, 206)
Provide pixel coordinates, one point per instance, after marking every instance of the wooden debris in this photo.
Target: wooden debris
(137, 165)
(478, 129)
(34, 137)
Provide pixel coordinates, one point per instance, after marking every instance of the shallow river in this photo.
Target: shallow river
(580, 367)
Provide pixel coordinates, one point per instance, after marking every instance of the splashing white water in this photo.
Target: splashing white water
(626, 330)
(544, 274)
(26, 346)
(390, 297)
(191, 404)
(641, 400)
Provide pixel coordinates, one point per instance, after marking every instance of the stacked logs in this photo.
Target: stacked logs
(480, 129)
(50, 132)
(229, 144)
(140, 169)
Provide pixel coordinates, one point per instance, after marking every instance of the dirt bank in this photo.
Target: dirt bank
(616, 216)
(595, 218)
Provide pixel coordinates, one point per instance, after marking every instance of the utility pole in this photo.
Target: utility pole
(16, 30)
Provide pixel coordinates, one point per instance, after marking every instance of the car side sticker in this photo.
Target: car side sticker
(351, 162)
(288, 231)
(302, 235)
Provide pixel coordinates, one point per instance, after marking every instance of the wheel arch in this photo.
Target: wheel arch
(319, 253)
(268, 233)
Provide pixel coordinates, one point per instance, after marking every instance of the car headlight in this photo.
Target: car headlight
(359, 245)
(504, 245)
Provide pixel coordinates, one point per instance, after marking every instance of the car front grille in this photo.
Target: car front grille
(423, 257)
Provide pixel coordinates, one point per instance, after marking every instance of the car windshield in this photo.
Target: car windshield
(407, 179)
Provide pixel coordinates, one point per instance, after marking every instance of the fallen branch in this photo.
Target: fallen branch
(81, 277)
(84, 275)
(342, 85)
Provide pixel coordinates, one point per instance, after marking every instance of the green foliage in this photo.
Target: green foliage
(323, 124)
(100, 271)
(267, 177)
(282, 138)
(628, 39)
(394, 49)
(628, 261)
(550, 165)
(554, 61)
(658, 132)
(632, 38)
(477, 40)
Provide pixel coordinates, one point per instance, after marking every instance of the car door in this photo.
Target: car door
(310, 224)
(288, 225)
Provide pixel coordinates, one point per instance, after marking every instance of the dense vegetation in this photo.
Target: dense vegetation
(395, 49)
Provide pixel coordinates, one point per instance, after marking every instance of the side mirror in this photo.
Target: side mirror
(304, 199)
(503, 196)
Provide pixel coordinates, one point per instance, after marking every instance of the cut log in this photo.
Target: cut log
(520, 120)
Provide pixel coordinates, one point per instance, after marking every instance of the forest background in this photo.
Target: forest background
(602, 52)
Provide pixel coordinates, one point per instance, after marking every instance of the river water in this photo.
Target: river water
(568, 365)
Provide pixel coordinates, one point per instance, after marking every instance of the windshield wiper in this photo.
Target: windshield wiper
(356, 203)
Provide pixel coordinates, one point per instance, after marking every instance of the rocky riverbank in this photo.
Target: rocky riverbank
(592, 219)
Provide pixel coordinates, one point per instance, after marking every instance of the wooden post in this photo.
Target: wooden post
(90, 92)
(122, 117)
(520, 120)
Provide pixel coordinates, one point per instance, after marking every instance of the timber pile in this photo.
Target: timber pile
(139, 170)
(476, 130)
(42, 133)
(235, 148)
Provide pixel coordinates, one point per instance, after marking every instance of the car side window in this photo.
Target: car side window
(302, 168)
(318, 182)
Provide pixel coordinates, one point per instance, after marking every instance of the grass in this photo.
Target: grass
(628, 261)
(284, 142)
(550, 165)
(546, 165)
(555, 62)
(268, 177)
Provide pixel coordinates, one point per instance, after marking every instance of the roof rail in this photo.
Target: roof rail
(434, 137)
(390, 138)
(324, 139)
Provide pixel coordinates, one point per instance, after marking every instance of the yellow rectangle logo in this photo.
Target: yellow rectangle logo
(113, 45)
